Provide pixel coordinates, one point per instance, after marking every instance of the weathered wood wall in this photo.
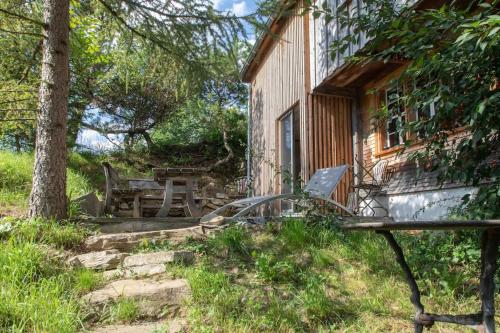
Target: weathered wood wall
(322, 35)
(330, 142)
(278, 85)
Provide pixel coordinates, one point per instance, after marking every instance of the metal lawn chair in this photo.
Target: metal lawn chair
(320, 187)
(372, 181)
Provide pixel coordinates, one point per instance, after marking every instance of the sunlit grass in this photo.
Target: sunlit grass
(311, 278)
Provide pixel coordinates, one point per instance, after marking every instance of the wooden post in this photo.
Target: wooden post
(167, 199)
(489, 256)
(193, 209)
(136, 212)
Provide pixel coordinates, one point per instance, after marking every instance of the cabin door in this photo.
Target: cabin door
(289, 154)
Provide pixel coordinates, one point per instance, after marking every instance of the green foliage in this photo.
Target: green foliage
(448, 259)
(123, 310)
(147, 245)
(39, 293)
(16, 174)
(326, 280)
(234, 240)
(36, 293)
(87, 280)
(59, 234)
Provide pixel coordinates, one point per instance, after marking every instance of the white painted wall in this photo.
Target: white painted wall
(425, 206)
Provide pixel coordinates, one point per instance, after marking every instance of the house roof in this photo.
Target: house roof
(264, 41)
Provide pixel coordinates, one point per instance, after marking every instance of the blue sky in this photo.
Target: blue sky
(238, 7)
(96, 141)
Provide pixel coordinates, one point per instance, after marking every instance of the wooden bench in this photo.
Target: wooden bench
(131, 191)
(484, 320)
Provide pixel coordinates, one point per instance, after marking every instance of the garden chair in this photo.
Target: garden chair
(372, 181)
(320, 187)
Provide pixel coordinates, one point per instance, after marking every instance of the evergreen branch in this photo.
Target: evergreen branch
(22, 33)
(137, 32)
(22, 17)
(17, 100)
(38, 48)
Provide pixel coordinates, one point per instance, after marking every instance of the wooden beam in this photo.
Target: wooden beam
(423, 225)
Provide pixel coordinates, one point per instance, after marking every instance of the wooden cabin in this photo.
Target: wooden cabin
(307, 111)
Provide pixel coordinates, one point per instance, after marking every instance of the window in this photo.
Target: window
(424, 109)
(396, 117)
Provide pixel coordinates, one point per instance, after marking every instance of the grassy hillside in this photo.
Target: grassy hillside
(304, 278)
(85, 174)
(39, 293)
(15, 181)
(294, 278)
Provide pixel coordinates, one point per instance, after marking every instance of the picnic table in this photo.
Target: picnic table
(180, 185)
(484, 320)
(171, 189)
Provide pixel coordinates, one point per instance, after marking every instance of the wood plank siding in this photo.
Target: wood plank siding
(278, 85)
(331, 137)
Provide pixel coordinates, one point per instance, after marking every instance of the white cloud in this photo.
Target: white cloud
(95, 141)
(218, 4)
(240, 8)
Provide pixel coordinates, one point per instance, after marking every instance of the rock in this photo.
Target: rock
(155, 298)
(161, 257)
(220, 195)
(89, 204)
(124, 206)
(112, 274)
(127, 241)
(148, 264)
(104, 260)
(137, 328)
(217, 220)
(177, 325)
(218, 202)
(144, 270)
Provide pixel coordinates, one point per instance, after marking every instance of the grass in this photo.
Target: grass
(124, 310)
(84, 173)
(38, 292)
(15, 181)
(301, 277)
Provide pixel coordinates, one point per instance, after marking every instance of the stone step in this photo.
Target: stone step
(172, 326)
(137, 328)
(149, 264)
(100, 260)
(129, 224)
(154, 298)
(128, 241)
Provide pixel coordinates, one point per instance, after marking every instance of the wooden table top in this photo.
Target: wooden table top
(160, 174)
(420, 225)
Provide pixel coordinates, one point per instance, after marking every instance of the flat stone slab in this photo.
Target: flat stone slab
(155, 298)
(137, 328)
(127, 241)
(144, 270)
(161, 257)
(100, 260)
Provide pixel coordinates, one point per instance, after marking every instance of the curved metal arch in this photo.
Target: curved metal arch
(289, 196)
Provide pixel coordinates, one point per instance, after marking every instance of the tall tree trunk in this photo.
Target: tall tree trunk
(48, 195)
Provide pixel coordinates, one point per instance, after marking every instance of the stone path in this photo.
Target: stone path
(139, 277)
